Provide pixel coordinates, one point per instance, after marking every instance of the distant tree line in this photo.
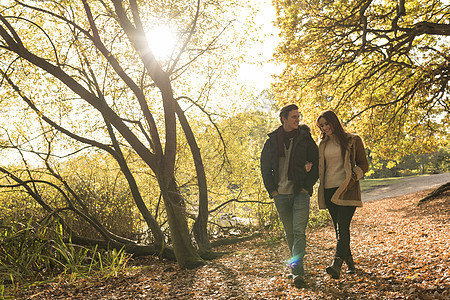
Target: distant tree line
(411, 164)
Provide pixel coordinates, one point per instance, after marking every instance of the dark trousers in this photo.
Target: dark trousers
(341, 216)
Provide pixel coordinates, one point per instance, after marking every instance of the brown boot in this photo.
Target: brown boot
(350, 265)
(335, 269)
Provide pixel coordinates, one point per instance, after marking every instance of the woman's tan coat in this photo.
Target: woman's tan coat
(355, 165)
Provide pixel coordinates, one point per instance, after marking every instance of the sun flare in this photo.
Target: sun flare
(162, 41)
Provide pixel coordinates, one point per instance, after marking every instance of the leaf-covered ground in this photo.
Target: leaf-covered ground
(401, 250)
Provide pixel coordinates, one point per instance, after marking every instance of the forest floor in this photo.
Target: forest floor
(401, 251)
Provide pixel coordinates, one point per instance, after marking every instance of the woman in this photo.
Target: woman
(342, 162)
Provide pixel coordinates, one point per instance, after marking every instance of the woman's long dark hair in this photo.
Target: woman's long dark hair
(338, 130)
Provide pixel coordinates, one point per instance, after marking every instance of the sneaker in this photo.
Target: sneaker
(297, 269)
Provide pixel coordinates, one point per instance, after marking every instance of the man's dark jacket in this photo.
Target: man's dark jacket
(303, 150)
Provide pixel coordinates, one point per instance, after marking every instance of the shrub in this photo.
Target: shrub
(32, 252)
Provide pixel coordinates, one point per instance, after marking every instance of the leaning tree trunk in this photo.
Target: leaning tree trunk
(157, 233)
(436, 192)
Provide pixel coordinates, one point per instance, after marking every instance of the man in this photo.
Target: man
(289, 168)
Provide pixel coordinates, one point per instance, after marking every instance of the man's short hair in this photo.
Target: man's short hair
(284, 111)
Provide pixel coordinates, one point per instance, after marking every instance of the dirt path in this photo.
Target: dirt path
(406, 186)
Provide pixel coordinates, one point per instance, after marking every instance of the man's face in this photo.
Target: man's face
(291, 122)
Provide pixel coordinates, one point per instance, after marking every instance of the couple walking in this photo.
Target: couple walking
(291, 163)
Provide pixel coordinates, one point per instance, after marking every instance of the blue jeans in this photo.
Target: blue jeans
(294, 213)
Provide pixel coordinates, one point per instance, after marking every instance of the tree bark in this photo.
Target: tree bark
(151, 222)
(186, 254)
(443, 188)
(201, 222)
(135, 249)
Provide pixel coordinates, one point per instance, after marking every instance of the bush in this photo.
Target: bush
(318, 218)
(32, 252)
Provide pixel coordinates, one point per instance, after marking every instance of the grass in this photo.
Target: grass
(36, 252)
(370, 184)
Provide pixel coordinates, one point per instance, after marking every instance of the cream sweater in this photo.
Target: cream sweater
(334, 164)
(285, 186)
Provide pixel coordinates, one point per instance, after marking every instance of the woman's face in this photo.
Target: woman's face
(325, 126)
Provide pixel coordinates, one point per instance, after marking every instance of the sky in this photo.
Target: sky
(260, 75)
(255, 72)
